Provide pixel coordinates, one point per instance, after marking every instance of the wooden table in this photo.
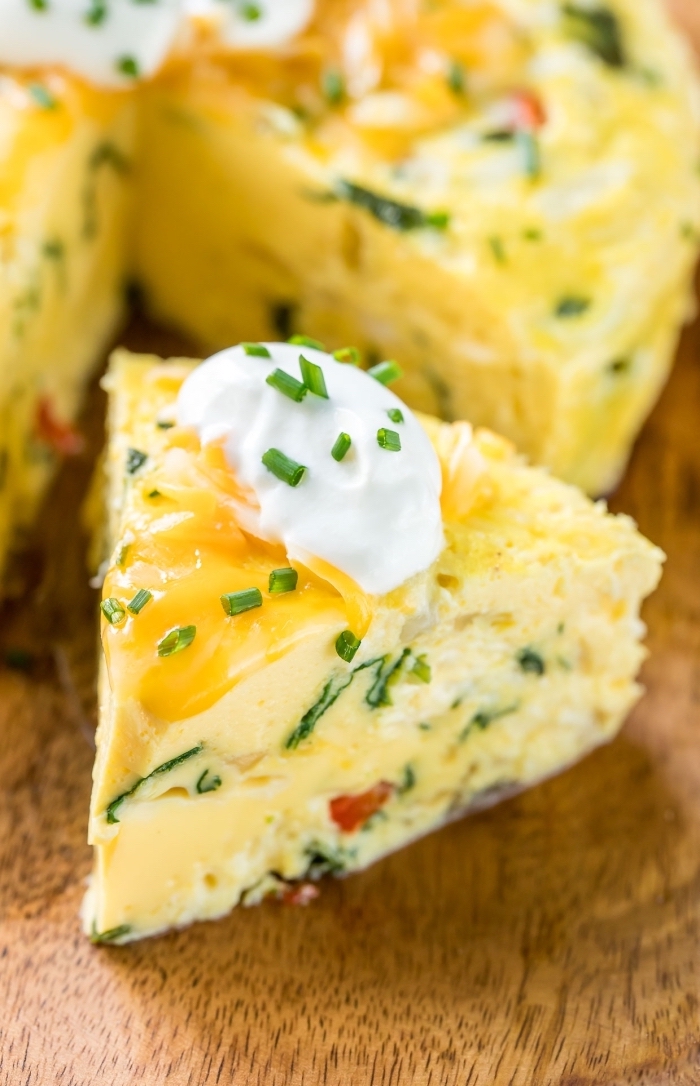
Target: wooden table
(553, 939)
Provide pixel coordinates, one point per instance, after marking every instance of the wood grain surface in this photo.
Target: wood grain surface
(553, 939)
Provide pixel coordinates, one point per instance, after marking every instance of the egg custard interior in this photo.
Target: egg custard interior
(503, 196)
(239, 754)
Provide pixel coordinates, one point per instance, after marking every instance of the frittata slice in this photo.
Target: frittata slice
(64, 206)
(251, 758)
(505, 196)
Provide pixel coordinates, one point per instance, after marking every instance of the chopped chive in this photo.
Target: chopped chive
(164, 424)
(386, 372)
(42, 96)
(97, 13)
(395, 415)
(388, 439)
(287, 385)
(421, 669)
(134, 460)
(573, 305)
(598, 28)
(456, 78)
(235, 603)
(313, 377)
(211, 785)
(39, 5)
(257, 350)
(283, 580)
(122, 554)
(139, 601)
(333, 87)
(113, 611)
(250, 12)
(154, 494)
(128, 66)
(350, 355)
(176, 640)
(341, 446)
(283, 467)
(307, 341)
(532, 234)
(347, 645)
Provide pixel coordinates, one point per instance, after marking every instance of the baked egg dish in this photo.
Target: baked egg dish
(329, 627)
(502, 194)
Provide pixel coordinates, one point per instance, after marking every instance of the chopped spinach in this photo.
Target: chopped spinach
(531, 661)
(331, 692)
(598, 28)
(484, 717)
(135, 459)
(166, 767)
(386, 675)
(572, 305)
(408, 781)
(390, 212)
(211, 785)
(324, 860)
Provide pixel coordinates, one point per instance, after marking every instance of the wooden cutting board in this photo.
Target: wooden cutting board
(552, 940)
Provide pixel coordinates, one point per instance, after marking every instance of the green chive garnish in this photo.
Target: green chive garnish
(421, 669)
(498, 250)
(235, 603)
(134, 460)
(128, 66)
(350, 355)
(341, 446)
(283, 467)
(164, 424)
(258, 350)
(109, 936)
(139, 601)
(388, 439)
(283, 580)
(154, 494)
(347, 645)
(386, 372)
(572, 306)
(113, 611)
(395, 415)
(313, 377)
(42, 96)
(307, 341)
(287, 385)
(176, 640)
(250, 12)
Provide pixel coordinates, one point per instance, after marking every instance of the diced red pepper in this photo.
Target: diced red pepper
(59, 436)
(528, 110)
(301, 894)
(351, 812)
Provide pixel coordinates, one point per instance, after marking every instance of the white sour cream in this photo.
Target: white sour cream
(114, 43)
(109, 42)
(375, 515)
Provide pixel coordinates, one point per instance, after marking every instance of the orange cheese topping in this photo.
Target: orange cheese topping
(183, 543)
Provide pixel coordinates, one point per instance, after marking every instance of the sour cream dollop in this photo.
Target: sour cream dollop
(114, 43)
(375, 515)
